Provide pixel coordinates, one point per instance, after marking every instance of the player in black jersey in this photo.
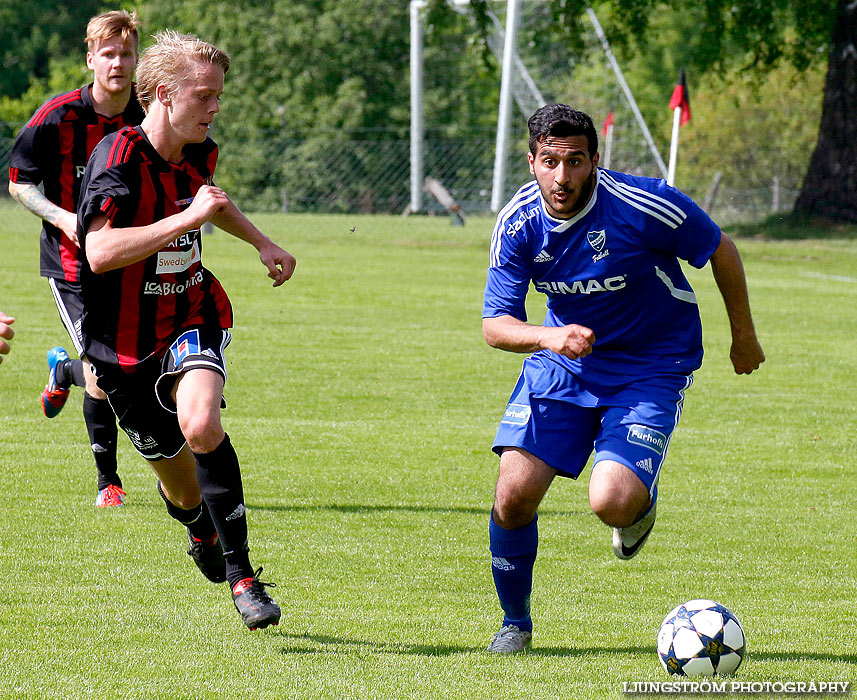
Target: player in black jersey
(155, 323)
(52, 150)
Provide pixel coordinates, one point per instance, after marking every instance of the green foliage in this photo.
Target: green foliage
(33, 34)
(330, 72)
(301, 65)
(462, 77)
(312, 67)
(751, 132)
(64, 74)
(362, 404)
(718, 34)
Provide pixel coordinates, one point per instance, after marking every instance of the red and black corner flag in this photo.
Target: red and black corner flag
(607, 124)
(681, 98)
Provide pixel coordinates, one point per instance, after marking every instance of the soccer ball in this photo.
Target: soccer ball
(701, 638)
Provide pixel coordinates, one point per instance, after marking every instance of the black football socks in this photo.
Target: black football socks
(69, 372)
(219, 479)
(101, 426)
(196, 520)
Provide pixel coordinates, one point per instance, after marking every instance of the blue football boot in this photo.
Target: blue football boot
(54, 397)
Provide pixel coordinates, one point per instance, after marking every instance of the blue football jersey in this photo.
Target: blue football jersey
(613, 268)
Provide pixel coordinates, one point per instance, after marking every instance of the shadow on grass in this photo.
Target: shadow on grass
(802, 656)
(338, 644)
(793, 227)
(364, 508)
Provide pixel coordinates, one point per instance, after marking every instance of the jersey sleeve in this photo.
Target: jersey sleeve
(682, 228)
(26, 165)
(102, 191)
(508, 277)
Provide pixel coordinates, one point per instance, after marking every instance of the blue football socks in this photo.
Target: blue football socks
(513, 554)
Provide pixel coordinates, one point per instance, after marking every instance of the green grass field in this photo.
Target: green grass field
(363, 402)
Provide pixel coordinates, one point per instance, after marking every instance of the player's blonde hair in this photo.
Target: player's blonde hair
(167, 61)
(116, 23)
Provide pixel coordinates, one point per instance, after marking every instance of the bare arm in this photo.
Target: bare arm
(6, 333)
(514, 335)
(746, 353)
(109, 248)
(279, 262)
(31, 198)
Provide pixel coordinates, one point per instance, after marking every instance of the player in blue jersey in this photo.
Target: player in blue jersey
(615, 354)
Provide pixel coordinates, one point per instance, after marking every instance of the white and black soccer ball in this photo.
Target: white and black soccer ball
(701, 638)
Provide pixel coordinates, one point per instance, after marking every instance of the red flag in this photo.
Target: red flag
(607, 124)
(681, 98)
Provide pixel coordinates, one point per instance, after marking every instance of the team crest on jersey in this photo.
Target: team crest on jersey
(186, 344)
(597, 239)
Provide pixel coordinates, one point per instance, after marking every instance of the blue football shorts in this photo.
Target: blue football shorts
(141, 400)
(561, 418)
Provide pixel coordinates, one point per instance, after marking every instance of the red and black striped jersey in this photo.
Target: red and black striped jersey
(136, 311)
(53, 148)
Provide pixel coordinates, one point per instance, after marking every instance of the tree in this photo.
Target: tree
(755, 36)
(758, 36)
(32, 34)
(830, 186)
(311, 82)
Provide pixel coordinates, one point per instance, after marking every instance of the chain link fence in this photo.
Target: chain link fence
(367, 171)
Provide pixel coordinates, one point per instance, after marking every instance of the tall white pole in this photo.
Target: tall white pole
(628, 94)
(608, 148)
(417, 125)
(504, 116)
(674, 146)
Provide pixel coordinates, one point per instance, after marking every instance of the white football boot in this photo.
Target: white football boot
(510, 640)
(627, 541)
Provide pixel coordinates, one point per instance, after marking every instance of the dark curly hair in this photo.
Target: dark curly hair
(561, 120)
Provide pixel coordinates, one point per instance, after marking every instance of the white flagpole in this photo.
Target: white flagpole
(674, 146)
(608, 147)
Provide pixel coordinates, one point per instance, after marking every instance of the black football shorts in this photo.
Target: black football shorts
(141, 400)
(70, 308)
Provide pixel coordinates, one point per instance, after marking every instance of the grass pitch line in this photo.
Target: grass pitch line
(824, 276)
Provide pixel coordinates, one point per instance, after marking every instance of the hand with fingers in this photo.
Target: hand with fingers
(6, 333)
(280, 263)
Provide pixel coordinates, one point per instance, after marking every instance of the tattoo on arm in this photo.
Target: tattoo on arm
(32, 199)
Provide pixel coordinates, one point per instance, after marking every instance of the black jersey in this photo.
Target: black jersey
(136, 311)
(53, 148)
